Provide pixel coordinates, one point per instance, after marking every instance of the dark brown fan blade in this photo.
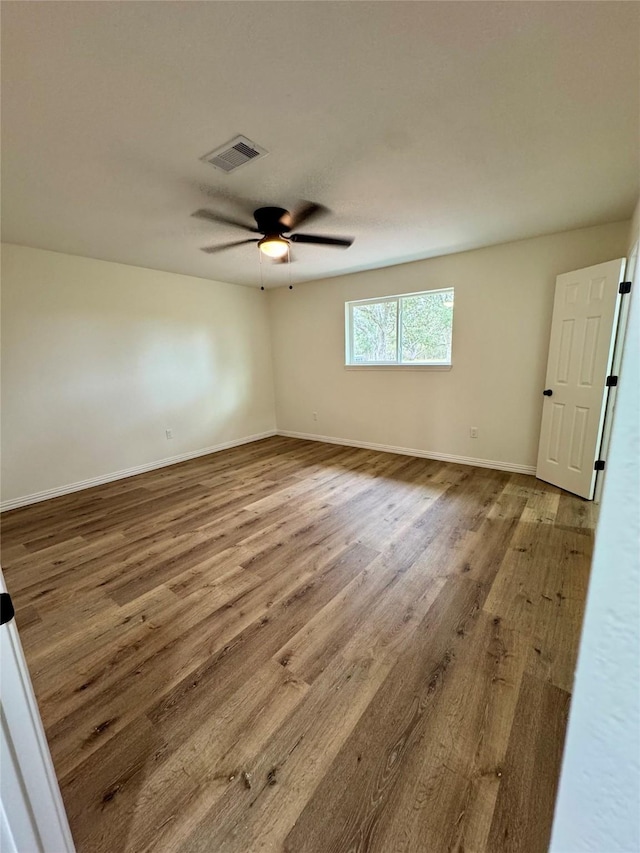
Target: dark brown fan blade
(306, 212)
(210, 216)
(211, 250)
(322, 241)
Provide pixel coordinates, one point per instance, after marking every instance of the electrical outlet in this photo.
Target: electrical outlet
(473, 432)
(169, 433)
(315, 416)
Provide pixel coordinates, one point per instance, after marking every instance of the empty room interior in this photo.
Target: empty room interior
(320, 442)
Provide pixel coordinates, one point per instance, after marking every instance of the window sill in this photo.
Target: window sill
(398, 367)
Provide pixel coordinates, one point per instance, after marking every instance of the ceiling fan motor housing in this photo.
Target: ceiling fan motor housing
(269, 220)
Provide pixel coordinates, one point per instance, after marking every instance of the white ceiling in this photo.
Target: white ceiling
(426, 127)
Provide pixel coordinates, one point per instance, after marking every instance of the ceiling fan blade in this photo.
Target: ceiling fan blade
(305, 213)
(211, 250)
(342, 242)
(235, 204)
(210, 216)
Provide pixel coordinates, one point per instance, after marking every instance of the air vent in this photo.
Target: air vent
(234, 154)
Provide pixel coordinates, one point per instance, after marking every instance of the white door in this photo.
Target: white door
(32, 815)
(585, 315)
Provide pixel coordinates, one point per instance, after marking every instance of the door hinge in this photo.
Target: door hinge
(6, 608)
(599, 466)
(625, 287)
(612, 381)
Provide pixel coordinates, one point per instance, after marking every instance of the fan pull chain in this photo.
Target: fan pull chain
(261, 271)
(289, 264)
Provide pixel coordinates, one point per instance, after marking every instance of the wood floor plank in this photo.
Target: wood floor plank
(30, 569)
(540, 591)
(372, 762)
(54, 663)
(577, 514)
(197, 632)
(145, 795)
(542, 507)
(556, 634)
(524, 809)
(227, 667)
(411, 562)
(298, 755)
(432, 778)
(298, 646)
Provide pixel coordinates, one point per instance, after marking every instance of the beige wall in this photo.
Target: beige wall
(99, 359)
(503, 304)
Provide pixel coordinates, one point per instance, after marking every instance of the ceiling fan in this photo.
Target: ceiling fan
(275, 224)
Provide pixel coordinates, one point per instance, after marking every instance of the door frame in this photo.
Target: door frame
(618, 348)
(32, 813)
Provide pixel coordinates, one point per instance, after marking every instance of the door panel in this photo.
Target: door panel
(566, 343)
(585, 315)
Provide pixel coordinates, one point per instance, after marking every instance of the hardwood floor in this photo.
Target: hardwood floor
(292, 646)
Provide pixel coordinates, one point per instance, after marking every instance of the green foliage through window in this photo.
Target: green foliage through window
(375, 329)
(411, 329)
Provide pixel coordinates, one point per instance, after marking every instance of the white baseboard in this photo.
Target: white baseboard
(47, 494)
(513, 467)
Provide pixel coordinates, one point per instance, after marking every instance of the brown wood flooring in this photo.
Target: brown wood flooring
(293, 646)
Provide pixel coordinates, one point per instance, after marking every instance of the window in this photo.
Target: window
(412, 329)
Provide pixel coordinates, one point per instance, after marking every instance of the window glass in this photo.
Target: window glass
(375, 332)
(427, 321)
(409, 329)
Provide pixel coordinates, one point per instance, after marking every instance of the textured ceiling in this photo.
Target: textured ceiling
(426, 128)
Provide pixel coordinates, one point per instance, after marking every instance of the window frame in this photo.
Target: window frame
(350, 364)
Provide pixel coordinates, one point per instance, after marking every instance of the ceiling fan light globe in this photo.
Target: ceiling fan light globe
(273, 247)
